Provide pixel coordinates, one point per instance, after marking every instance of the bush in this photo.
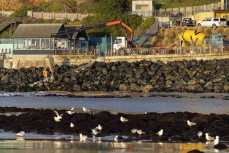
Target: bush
(22, 11)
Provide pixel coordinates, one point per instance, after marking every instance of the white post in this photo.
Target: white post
(111, 45)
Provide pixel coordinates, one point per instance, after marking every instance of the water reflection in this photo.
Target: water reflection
(36, 146)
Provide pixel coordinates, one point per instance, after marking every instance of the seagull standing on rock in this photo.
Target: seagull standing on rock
(85, 109)
(200, 134)
(82, 137)
(21, 134)
(216, 141)
(72, 125)
(95, 131)
(160, 133)
(123, 120)
(219, 146)
(99, 127)
(58, 117)
(190, 124)
(134, 131)
(208, 137)
(140, 132)
(71, 112)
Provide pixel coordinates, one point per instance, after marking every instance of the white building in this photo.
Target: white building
(143, 7)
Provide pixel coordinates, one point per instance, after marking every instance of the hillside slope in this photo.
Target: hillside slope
(16, 4)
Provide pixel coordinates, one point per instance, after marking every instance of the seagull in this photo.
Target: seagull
(140, 132)
(122, 119)
(72, 125)
(99, 127)
(190, 123)
(200, 134)
(85, 109)
(21, 134)
(216, 141)
(82, 137)
(160, 133)
(116, 138)
(208, 138)
(58, 117)
(134, 130)
(71, 112)
(94, 131)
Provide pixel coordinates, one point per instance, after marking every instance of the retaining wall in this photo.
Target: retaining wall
(19, 61)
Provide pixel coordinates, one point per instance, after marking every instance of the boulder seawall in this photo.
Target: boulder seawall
(195, 76)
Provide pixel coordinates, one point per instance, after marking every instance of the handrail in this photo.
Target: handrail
(9, 21)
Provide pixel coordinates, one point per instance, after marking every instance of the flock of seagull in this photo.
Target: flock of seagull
(58, 117)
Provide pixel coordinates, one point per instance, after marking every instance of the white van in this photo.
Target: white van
(213, 22)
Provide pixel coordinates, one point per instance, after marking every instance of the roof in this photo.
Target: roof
(36, 30)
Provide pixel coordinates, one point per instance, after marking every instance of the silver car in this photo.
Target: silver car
(213, 22)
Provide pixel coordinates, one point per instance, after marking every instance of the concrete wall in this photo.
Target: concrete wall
(6, 13)
(166, 58)
(57, 16)
(19, 61)
(202, 15)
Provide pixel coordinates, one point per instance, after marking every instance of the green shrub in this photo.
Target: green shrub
(22, 11)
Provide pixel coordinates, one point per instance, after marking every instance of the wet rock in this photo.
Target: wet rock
(220, 146)
(195, 151)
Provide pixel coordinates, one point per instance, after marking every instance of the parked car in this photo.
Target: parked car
(188, 22)
(213, 22)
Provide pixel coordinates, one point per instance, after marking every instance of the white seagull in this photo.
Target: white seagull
(21, 134)
(58, 117)
(208, 137)
(160, 133)
(134, 130)
(140, 132)
(85, 109)
(82, 137)
(216, 141)
(200, 134)
(190, 124)
(99, 127)
(95, 131)
(72, 125)
(71, 112)
(122, 119)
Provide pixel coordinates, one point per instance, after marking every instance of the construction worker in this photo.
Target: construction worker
(45, 73)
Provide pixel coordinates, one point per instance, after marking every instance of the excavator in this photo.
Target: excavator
(106, 24)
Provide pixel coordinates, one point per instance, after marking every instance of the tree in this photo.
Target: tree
(105, 11)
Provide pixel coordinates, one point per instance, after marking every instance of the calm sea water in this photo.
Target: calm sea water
(134, 105)
(129, 105)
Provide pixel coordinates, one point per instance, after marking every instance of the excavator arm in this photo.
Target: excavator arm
(102, 25)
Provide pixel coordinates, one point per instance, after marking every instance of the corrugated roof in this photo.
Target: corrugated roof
(36, 30)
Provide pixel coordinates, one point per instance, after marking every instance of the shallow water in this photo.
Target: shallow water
(52, 143)
(133, 105)
(37, 146)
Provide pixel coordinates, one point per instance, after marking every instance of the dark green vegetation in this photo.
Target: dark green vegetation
(109, 10)
(144, 76)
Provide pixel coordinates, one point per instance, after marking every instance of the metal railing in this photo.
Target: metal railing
(8, 22)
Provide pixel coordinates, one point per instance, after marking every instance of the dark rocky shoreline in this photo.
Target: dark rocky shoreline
(143, 76)
(174, 124)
